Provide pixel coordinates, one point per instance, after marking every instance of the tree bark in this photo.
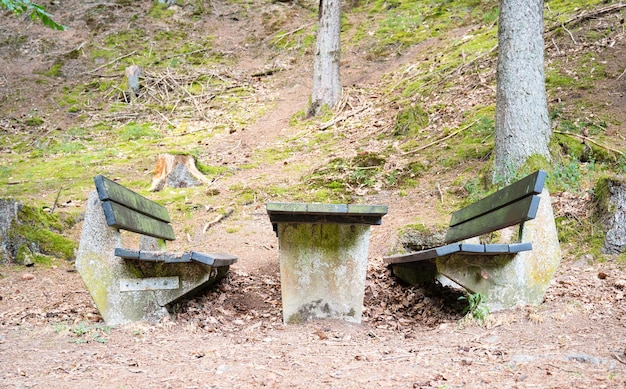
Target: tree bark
(326, 81)
(522, 123)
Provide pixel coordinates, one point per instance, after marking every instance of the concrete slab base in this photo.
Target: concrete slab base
(322, 270)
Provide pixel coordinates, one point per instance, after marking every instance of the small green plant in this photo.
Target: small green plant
(475, 306)
(82, 329)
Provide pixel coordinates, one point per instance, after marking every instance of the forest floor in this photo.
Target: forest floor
(232, 336)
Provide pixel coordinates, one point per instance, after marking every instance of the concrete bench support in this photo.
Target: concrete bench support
(508, 281)
(323, 251)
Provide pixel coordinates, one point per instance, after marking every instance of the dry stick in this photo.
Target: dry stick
(218, 219)
(56, 200)
(281, 36)
(620, 76)
(570, 34)
(590, 140)
(583, 16)
(620, 360)
(331, 123)
(440, 140)
(111, 62)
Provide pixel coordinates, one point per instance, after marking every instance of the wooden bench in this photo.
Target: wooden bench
(468, 263)
(131, 284)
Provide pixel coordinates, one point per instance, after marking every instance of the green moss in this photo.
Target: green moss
(134, 131)
(410, 121)
(34, 121)
(55, 70)
(42, 232)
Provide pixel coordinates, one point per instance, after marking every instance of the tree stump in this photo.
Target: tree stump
(177, 171)
(133, 73)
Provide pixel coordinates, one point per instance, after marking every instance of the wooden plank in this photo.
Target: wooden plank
(325, 213)
(110, 190)
(127, 219)
(518, 247)
(472, 248)
(507, 216)
(276, 218)
(214, 259)
(126, 253)
(497, 248)
(423, 255)
(149, 283)
(527, 186)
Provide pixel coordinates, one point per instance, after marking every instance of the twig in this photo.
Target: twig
(440, 140)
(111, 62)
(440, 192)
(584, 16)
(620, 360)
(394, 357)
(218, 219)
(281, 36)
(570, 34)
(620, 76)
(331, 123)
(56, 200)
(563, 369)
(590, 140)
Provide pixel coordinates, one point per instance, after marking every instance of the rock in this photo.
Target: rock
(584, 260)
(30, 233)
(610, 196)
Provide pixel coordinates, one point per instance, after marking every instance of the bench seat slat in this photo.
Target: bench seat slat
(519, 247)
(512, 214)
(112, 191)
(121, 217)
(472, 248)
(424, 254)
(463, 248)
(212, 259)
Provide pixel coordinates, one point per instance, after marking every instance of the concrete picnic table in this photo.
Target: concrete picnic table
(323, 251)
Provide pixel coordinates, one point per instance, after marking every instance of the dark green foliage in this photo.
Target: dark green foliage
(35, 11)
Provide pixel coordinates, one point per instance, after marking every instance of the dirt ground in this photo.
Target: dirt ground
(232, 336)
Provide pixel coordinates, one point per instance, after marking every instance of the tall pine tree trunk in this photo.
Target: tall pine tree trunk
(522, 123)
(326, 83)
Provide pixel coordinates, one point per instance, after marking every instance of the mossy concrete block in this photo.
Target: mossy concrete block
(508, 281)
(322, 269)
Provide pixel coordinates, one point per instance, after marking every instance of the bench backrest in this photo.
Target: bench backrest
(509, 206)
(127, 210)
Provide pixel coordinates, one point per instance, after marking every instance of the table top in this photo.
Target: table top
(325, 213)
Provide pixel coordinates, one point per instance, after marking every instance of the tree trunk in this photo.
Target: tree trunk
(326, 83)
(522, 124)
